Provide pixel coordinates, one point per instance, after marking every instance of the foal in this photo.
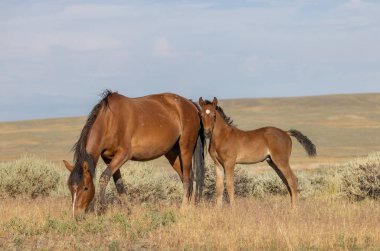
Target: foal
(228, 146)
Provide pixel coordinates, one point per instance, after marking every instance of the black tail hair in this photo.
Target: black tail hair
(309, 146)
(199, 160)
(199, 165)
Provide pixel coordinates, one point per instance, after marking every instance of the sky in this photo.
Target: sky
(56, 57)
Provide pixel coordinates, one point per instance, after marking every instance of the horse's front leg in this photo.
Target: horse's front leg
(219, 173)
(119, 159)
(121, 191)
(229, 168)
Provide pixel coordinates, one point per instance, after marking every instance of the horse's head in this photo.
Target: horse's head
(81, 187)
(208, 115)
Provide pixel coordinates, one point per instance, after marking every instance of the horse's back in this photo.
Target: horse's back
(153, 122)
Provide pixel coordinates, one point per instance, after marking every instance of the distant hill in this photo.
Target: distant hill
(342, 126)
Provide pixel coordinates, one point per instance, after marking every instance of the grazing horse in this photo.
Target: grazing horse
(119, 129)
(229, 145)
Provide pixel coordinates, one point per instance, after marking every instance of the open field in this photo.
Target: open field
(342, 127)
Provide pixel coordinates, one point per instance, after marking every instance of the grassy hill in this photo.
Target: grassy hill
(342, 127)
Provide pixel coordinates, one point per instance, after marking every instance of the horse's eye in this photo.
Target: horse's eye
(86, 188)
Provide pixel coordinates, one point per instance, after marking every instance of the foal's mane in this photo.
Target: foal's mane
(79, 148)
(226, 118)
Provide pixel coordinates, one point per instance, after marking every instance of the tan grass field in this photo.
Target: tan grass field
(342, 126)
(269, 224)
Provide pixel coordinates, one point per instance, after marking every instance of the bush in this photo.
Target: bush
(29, 176)
(144, 184)
(242, 181)
(361, 177)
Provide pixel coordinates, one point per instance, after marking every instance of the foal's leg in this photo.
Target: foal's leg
(118, 160)
(282, 168)
(219, 173)
(229, 168)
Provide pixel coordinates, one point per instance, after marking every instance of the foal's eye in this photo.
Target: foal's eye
(86, 188)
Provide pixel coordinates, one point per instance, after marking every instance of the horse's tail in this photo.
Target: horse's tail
(309, 146)
(199, 161)
(199, 166)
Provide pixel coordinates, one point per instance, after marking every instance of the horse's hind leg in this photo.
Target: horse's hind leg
(186, 146)
(283, 170)
(180, 163)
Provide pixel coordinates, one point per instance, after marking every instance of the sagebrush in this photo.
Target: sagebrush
(28, 175)
(356, 180)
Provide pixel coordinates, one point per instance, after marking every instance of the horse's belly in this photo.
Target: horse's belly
(148, 147)
(251, 155)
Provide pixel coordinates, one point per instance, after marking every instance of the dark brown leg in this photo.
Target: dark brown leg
(119, 184)
(118, 160)
(282, 168)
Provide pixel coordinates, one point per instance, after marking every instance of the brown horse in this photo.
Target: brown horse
(119, 129)
(230, 145)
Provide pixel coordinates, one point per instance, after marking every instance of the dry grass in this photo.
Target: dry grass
(317, 224)
(342, 126)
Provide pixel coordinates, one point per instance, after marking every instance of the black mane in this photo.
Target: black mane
(79, 148)
(226, 118)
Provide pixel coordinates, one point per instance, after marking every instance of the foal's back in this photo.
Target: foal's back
(256, 145)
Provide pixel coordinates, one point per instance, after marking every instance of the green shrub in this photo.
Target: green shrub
(268, 184)
(145, 184)
(29, 176)
(242, 180)
(361, 177)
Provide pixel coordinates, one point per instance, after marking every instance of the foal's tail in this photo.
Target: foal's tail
(309, 146)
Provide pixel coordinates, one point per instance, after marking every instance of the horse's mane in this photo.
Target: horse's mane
(226, 118)
(79, 148)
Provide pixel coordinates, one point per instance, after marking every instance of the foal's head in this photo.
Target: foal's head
(81, 187)
(209, 110)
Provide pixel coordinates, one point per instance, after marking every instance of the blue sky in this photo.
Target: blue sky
(57, 56)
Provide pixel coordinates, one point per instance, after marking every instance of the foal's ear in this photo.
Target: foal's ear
(68, 165)
(201, 102)
(215, 101)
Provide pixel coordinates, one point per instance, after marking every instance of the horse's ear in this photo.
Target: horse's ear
(201, 102)
(215, 101)
(85, 167)
(86, 172)
(68, 165)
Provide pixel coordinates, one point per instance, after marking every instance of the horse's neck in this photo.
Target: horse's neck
(93, 148)
(221, 129)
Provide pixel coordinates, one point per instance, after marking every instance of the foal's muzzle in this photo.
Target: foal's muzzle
(208, 134)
